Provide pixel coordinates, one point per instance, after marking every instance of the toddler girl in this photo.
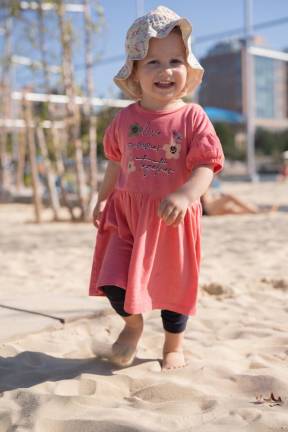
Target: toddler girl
(162, 154)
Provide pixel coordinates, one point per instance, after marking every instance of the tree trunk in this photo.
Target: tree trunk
(21, 161)
(27, 114)
(73, 116)
(51, 184)
(60, 170)
(54, 198)
(5, 175)
(92, 121)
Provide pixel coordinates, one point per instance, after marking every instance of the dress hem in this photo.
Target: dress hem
(137, 308)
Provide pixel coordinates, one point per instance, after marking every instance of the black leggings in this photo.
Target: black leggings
(173, 322)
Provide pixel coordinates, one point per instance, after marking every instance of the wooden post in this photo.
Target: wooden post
(51, 184)
(27, 114)
(5, 105)
(73, 117)
(92, 121)
(20, 161)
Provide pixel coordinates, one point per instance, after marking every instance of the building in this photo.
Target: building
(224, 81)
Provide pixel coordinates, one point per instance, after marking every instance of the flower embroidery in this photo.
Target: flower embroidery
(135, 129)
(131, 166)
(177, 137)
(172, 150)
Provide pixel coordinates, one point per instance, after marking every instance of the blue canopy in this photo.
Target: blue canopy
(222, 115)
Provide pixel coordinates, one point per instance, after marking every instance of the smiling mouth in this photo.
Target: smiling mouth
(164, 84)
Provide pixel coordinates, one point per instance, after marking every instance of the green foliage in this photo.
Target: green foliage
(15, 8)
(226, 135)
(40, 110)
(104, 118)
(271, 143)
(9, 143)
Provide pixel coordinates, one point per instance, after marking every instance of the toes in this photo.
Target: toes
(122, 355)
(173, 360)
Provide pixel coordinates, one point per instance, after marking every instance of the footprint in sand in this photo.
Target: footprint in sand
(217, 290)
(256, 362)
(280, 284)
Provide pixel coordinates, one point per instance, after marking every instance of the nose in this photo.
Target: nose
(165, 71)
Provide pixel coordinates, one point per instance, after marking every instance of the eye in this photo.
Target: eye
(176, 61)
(152, 62)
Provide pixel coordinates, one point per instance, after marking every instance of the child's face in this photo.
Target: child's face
(162, 74)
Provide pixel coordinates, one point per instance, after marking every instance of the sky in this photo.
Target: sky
(206, 16)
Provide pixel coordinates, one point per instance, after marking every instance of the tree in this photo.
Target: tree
(58, 142)
(90, 28)
(226, 134)
(271, 143)
(5, 103)
(51, 183)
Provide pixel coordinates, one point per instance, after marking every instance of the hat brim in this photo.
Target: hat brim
(124, 80)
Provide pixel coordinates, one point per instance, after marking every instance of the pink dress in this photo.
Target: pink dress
(157, 264)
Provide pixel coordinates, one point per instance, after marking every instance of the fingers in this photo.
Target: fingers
(168, 212)
(179, 219)
(165, 210)
(171, 213)
(161, 208)
(96, 223)
(171, 217)
(96, 219)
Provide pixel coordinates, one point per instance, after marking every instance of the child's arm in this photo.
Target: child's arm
(172, 209)
(106, 188)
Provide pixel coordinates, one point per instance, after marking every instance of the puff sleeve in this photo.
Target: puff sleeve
(111, 141)
(205, 147)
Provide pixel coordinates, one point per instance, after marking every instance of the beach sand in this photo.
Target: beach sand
(236, 345)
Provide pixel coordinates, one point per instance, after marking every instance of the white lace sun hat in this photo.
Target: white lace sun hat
(157, 23)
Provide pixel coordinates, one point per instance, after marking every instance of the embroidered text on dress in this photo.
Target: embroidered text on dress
(145, 146)
(157, 166)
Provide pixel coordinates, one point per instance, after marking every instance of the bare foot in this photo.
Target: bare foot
(124, 348)
(173, 357)
(173, 360)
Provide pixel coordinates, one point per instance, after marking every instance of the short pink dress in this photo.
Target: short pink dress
(157, 264)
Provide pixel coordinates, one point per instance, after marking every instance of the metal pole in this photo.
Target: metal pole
(250, 94)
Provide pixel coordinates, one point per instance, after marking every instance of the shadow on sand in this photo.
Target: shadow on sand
(30, 368)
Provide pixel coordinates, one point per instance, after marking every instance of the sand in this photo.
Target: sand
(236, 345)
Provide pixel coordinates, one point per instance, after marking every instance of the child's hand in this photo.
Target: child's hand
(172, 209)
(97, 213)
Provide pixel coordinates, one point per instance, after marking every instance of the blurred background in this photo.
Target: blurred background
(57, 62)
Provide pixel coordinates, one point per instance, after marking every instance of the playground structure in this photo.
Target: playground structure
(41, 131)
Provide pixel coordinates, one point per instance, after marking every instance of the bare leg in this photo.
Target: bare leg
(244, 207)
(228, 204)
(124, 348)
(173, 356)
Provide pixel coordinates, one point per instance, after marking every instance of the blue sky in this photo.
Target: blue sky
(207, 16)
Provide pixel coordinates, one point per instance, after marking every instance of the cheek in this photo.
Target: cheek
(183, 72)
(146, 77)
(182, 76)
